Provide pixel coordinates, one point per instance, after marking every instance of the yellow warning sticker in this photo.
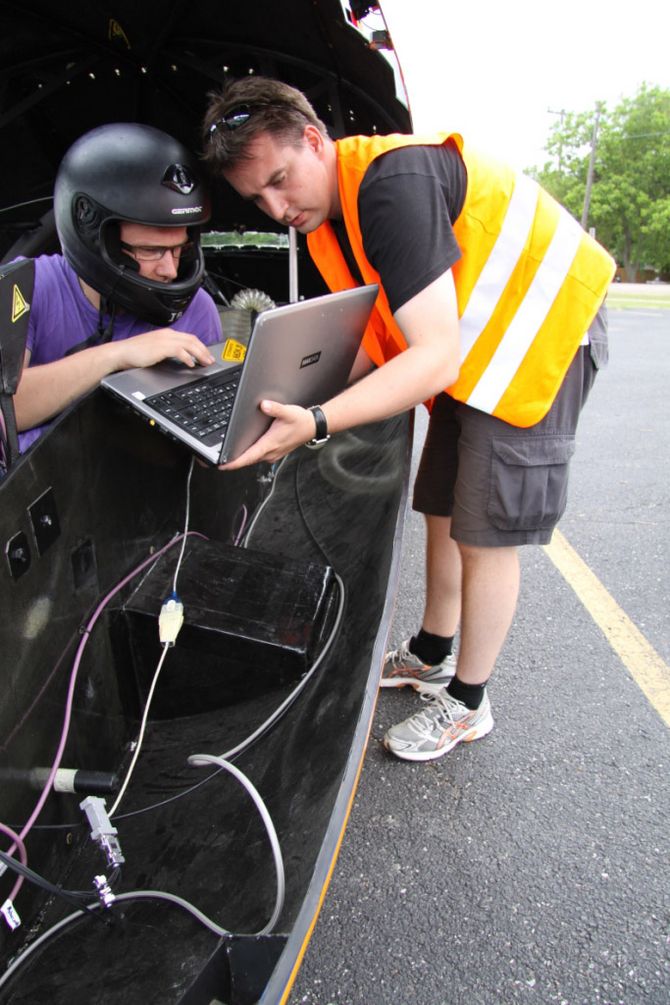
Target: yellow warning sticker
(20, 305)
(233, 351)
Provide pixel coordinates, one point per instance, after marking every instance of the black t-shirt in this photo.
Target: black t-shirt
(407, 203)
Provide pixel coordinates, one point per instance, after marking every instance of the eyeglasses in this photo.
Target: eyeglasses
(154, 252)
(233, 119)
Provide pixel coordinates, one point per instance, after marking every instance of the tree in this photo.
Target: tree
(629, 203)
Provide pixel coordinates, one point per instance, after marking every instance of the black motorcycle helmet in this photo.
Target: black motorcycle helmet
(126, 171)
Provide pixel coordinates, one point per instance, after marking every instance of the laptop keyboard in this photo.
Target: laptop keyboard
(202, 407)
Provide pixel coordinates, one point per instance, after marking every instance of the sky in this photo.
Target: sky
(501, 73)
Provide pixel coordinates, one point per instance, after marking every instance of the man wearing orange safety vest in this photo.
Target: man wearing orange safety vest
(491, 304)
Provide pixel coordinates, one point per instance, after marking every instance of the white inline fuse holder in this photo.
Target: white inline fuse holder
(170, 620)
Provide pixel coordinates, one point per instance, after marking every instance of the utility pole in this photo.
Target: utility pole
(560, 112)
(592, 161)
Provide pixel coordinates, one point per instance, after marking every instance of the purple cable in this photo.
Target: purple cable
(4, 445)
(23, 855)
(70, 693)
(237, 536)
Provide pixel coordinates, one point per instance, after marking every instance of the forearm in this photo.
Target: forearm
(429, 364)
(403, 382)
(47, 389)
(429, 322)
(363, 365)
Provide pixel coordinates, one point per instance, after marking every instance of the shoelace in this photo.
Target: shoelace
(399, 656)
(443, 709)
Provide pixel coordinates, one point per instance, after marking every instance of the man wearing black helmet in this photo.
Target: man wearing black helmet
(128, 205)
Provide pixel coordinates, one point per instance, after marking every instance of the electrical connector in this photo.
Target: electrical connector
(170, 620)
(103, 890)
(10, 914)
(102, 830)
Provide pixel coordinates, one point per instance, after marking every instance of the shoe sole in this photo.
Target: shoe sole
(414, 682)
(476, 733)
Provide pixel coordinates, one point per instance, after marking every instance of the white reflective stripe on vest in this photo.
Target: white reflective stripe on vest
(528, 319)
(501, 262)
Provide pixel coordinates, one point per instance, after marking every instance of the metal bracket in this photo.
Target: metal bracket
(44, 518)
(17, 551)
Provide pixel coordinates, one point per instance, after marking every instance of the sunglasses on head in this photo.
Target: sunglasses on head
(233, 119)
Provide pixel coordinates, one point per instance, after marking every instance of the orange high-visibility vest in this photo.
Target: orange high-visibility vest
(529, 283)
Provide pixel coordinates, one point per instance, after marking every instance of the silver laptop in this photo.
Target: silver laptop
(299, 354)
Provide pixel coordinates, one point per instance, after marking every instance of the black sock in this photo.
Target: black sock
(429, 648)
(470, 694)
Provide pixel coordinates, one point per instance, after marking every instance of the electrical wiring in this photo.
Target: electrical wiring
(27, 202)
(4, 445)
(73, 677)
(288, 701)
(182, 537)
(187, 518)
(85, 635)
(238, 534)
(23, 855)
(220, 761)
(216, 929)
(249, 740)
(279, 711)
(305, 521)
(73, 898)
(18, 839)
(244, 535)
(198, 760)
(140, 738)
(96, 906)
(154, 682)
(261, 730)
(170, 799)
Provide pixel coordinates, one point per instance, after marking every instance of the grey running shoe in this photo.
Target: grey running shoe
(402, 667)
(437, 728)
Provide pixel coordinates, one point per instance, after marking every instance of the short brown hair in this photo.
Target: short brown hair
(272, 107)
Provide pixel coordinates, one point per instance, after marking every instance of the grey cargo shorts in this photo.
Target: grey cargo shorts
(500, 484)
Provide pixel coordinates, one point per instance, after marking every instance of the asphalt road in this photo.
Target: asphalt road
(534, 865)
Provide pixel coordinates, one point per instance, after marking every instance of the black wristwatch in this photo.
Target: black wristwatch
(321, 435)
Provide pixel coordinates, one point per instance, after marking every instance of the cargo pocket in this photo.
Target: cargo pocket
(529, 481)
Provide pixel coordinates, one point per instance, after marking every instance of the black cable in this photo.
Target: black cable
(73, 897)
(124, 816)
(103, 333)
(303, 515)
(28, 202)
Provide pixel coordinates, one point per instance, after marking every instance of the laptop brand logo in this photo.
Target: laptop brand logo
(313, 357)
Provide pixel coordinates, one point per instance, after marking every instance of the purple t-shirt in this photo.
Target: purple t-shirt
(62, 317)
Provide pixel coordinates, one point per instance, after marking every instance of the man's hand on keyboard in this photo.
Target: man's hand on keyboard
(155, 346)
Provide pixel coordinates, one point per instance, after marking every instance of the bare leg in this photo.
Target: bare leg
(490, 592)
(479, 587)
(443, 578)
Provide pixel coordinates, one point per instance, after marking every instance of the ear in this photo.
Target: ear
(314, 138)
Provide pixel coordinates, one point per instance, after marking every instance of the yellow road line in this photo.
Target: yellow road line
(648, 670)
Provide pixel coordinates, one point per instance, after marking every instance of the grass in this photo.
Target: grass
(636, 296)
